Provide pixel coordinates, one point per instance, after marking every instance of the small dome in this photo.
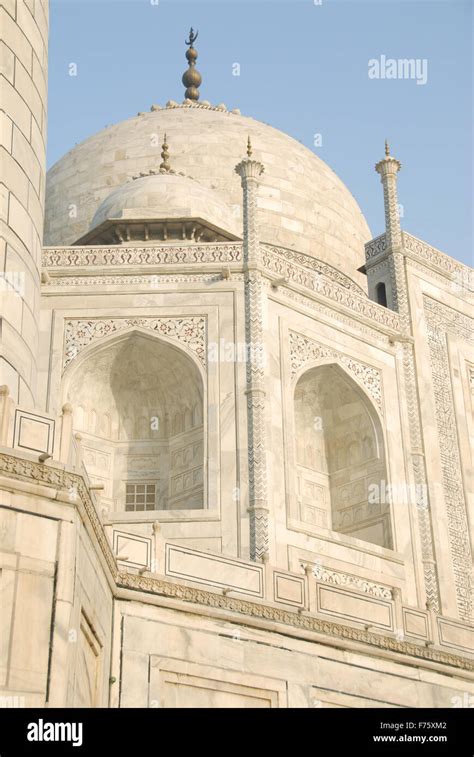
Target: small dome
(165, 197)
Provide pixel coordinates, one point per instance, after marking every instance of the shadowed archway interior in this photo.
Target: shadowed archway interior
(138, 406)
(340, 457)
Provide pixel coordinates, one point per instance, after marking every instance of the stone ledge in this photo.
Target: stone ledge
(60, 478)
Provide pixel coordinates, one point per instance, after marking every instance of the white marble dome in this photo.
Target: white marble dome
(303, 205)
(165, 196)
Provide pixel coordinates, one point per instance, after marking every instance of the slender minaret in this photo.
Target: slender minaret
(192, 78)
(394, 288)
(388, 265)
(388, 169)
(249, 171)
(23, 90)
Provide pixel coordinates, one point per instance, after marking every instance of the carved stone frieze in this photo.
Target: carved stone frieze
(65, 257)
(302, 621)
(187, 330)
(442, 320)
(304, 350)
(346, 579)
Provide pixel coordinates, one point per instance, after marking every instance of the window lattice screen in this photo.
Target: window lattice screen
(140, 497)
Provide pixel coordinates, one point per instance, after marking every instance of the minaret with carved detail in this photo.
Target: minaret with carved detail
(387, 276)
(249, 171)
(388, 169)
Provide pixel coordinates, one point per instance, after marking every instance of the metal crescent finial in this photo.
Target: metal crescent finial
(192, 37)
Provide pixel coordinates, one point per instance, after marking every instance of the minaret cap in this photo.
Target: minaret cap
(388, 164)
(249, 168)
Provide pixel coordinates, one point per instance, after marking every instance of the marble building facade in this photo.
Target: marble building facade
(235, 430)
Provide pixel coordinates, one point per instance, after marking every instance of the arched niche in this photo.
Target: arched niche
(138, 403)
(340, 457)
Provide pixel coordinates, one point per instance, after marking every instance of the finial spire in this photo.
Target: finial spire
(249, 147)
(165, 166)
(387, 149)
(192, 78)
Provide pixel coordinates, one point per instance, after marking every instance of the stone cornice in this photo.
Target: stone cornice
(314, 264)
(306, 621)
(423, 253)
(315, 276)
(65, 482)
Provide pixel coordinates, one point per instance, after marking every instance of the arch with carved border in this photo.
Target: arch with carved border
(102, 344)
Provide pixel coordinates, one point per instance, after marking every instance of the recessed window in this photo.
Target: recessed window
(140, 497)
(381, 294)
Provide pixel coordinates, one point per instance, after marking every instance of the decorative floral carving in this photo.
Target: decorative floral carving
(375, 247)
(442, 320)
(470, 373)
(189, 330)
(65, 257)
(319, 283)
(313, 264)
(305, 621)
(304, 350)
(309, 302)
(437, 258)
(346, 579)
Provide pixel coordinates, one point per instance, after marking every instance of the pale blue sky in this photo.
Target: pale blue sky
(304, 69)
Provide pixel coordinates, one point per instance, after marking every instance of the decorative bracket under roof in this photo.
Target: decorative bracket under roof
(128, 231)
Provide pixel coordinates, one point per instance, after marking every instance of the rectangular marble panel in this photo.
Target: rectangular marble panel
(354, 606)
(415, 623)
(288, 589)
(33, 432)
(132, 549)
(177, 683)
(214, 570)
(456, 635)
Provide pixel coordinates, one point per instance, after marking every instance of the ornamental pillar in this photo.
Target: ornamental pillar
(249, 171)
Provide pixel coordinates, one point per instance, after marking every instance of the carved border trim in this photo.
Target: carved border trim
(316, 265)
(70, 257)
(444, 262)
(375, 247)
(287, 617)
(303, 350)
(187, 330)
(337, 578)
(71, 483)
(323, 284)
(441, 320)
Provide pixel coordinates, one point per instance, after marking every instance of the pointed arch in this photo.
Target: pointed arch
(136, 380)
(340, 453)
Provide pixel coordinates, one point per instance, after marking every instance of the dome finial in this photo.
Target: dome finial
(192, 78)
(165, 166)
(192, 37)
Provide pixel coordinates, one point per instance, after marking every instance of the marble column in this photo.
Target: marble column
(250, 170)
